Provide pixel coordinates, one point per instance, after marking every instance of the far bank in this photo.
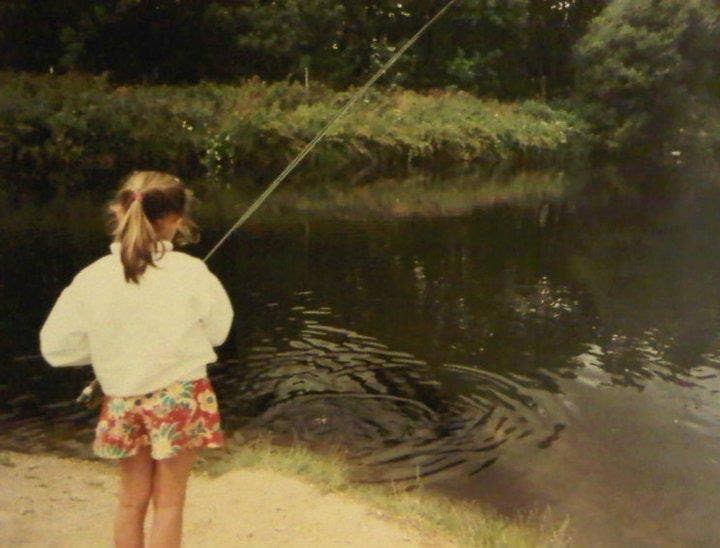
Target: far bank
(63, 135)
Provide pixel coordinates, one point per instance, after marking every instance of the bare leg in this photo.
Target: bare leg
(136, 474)
(168, 495)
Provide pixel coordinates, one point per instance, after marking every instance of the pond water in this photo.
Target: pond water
(553, 354)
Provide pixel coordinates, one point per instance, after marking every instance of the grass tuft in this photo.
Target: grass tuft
(463, 522)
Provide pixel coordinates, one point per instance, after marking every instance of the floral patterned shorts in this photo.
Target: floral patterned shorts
(183, 415)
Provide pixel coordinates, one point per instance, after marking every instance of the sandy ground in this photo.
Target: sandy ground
(53, 501)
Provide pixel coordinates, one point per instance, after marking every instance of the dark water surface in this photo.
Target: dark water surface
(563, 354)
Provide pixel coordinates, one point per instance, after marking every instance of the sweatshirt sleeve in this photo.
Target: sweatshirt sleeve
(63, 336)
(214, 307)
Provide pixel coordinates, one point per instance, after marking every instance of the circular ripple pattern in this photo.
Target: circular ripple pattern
(331, 386)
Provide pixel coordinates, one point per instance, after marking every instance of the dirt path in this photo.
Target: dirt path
(52, 501)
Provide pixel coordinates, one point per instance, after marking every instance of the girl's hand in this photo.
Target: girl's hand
(91, 396)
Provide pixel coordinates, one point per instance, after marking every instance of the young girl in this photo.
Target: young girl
(146, 317)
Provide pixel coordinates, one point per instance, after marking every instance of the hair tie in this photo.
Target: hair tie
(137, 195)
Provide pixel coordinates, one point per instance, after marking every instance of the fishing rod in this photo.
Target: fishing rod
(88, 393)
(308, 147)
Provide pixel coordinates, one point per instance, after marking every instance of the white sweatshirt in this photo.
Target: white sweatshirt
(139, 337)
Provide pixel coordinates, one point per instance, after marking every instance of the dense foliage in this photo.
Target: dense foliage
(70, 133)
(509, 48)
(650, 77)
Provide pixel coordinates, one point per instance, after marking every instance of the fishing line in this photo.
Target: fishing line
(308, 147)
(90, 390)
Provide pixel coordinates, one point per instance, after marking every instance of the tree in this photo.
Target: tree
(553, 28)
(648, 71)
(502, 48)
(30, 32)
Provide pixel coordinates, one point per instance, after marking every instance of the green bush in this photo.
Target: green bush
(649, 75)
(74, 133)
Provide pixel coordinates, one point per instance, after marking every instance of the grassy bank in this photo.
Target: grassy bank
(468, 523)
(64, 134)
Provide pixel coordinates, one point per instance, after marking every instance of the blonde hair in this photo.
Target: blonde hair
(143, 198)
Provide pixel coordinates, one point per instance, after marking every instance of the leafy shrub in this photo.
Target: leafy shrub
(649, 74)
(72, 133)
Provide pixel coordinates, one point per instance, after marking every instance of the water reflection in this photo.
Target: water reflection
(319, 383)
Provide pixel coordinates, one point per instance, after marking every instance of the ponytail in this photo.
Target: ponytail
(144, 198)
(137, 240)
